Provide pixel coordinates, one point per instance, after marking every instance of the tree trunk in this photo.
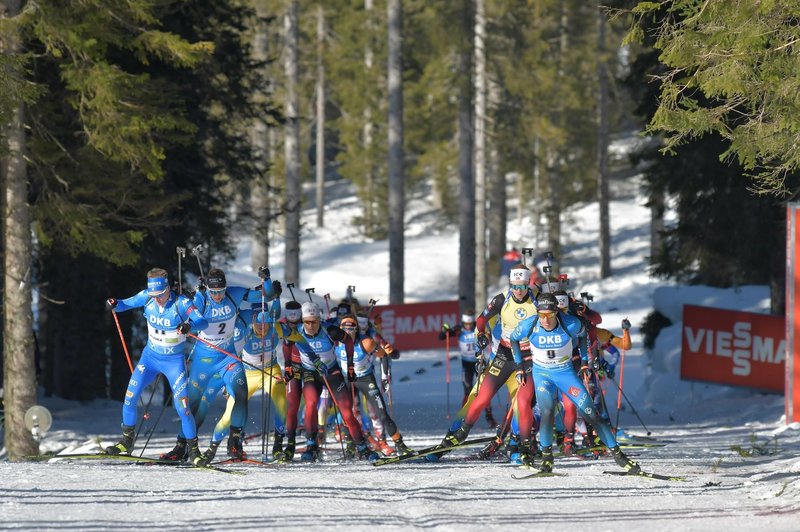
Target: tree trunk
(480, 152)
(396, 170)
(466, 216)
(498, 210)
(602, 148)
(320, 166)
(657, 204)
(260, 209)
(292, 148)
(19, 370)
(369, 204)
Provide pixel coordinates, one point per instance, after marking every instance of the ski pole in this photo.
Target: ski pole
(212, 346)
(336, 410)
(447, 369)
(631, 405)
(291, 292)
(309, 291)
(122, 339)
(264, 416)
(619, 392)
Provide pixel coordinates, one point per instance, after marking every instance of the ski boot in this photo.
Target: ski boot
(277, 444)
(349, 449)
(235, 444)
(490, 418)
(400, 447)
(512, 449)
(125, 445)
(624, 462)
(196, 458)
(547, 459)
(286, 454)
(179, 453)
(211, 452)
(384, 448)
(364, 452)
(568, 445)
(488, 450)
(311, 454)
(457, 437)
(526, 453)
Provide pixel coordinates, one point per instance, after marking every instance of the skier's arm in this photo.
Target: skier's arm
(135, 301)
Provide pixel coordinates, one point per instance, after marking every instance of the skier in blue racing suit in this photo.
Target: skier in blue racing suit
(552, 336)
(169, 317)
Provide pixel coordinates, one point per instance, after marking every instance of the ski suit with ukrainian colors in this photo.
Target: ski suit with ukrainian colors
(209, 354)
(552, 371)
(365, 382)
(254, 352)
(163, 353)
(321, 346)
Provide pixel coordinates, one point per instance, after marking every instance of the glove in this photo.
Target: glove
(201, 285)
(288, 373)
(320, 366)
(276, 288)
(388, 348)
(480, 363)
(387, 382)
(351, 373)
(521, 380)
(184, 327)
(596, 364)
(111, 303)
(605, 369)
(626, 325)
(445, 327)
(263, 272)
(483, 341)
(395, 354)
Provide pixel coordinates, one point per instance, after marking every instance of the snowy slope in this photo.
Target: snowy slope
(724, 490)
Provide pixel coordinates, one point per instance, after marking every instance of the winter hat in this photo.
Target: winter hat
(519, 274)
(546, 303)
(563, 299)
(348, 319)
(293, 311)
(467, 318)
(311, 310)
(157, 286)
(216, 279)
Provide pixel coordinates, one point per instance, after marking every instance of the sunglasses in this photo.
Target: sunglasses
(216, 291)
(349, 326)
(310, 322)
(547, 313)
(519, 287)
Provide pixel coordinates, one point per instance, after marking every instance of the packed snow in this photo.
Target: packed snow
(740, 460)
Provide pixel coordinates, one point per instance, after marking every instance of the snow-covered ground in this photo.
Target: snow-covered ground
(703, 423)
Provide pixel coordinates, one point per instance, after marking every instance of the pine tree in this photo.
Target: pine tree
(731, 70)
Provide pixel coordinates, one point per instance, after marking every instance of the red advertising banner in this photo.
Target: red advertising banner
(792, 395)
(735, 348)
(416, 325)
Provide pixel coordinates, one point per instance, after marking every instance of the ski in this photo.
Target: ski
(144, 461)
(248, 461)
(122, 457)
(646, 474)
(430, 450)
(539, 474)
